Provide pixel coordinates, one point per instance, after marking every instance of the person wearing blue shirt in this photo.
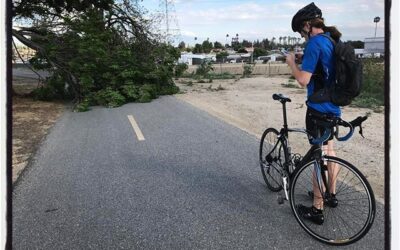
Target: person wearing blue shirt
(317, 71)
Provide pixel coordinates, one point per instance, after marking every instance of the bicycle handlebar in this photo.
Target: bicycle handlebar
(328, 122)
(331, 123)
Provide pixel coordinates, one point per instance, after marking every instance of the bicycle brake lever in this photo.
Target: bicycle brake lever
(360, 131)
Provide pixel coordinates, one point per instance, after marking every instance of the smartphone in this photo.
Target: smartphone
(285, 52)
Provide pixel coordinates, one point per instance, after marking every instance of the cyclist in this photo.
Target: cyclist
(317, 71)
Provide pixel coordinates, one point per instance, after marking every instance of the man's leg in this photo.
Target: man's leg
(333, 169)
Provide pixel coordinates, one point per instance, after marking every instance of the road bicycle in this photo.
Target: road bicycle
(348, 200)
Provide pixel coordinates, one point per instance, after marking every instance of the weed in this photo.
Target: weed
(220, 88)
(290, 85)
(247, 70)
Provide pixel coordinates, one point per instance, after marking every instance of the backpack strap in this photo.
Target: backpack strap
(329, 37)
(318, 75)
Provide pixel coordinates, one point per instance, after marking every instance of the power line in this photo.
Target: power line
(172, 30)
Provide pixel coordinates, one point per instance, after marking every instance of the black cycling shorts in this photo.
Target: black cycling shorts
(312, 127)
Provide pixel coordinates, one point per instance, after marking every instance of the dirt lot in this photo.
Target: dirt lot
(31, 122)
(247, 103)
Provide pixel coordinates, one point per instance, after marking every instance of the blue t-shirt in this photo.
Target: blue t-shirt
(320, 48)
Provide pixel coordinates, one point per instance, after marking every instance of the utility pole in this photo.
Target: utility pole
(376, 20)
(167, 16)
(167, 7)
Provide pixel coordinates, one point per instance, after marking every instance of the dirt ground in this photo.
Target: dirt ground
(31, 122)
(247, 103)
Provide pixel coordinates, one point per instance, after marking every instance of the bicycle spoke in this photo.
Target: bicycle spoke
(347, 221)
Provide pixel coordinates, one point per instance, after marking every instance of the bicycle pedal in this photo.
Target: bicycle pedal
(280, 199)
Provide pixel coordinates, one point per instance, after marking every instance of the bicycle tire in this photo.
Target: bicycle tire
(339, 226)
(271, 170)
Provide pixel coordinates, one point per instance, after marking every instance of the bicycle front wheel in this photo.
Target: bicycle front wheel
(272, 158)
(349, 217)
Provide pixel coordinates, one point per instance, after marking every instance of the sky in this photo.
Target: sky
(257, 19)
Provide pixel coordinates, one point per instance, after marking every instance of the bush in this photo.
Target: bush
(145, 97)
(373, 89)
(148, 89)
(43, 93)
(131, 92)
(224, 75)
(247, 70)
(169, 90)
(82, 106)
(109, 98)
(180, 68)
(204, 68)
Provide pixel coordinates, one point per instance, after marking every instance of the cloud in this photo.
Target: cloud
(188, 33)
(258, 19)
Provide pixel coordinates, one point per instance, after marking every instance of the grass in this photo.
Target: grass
(291, 84)
(209, 76)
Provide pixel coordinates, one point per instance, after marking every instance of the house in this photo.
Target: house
(195, 59)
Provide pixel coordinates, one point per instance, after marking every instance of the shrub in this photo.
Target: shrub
(109, 98)
(82, 106)
(148, 89)
(247, 70)
(373, 89)
(180, 68)
(43, 93)
(204, 68)
(169, 90)
(131, 92)
(145, 97)
(224, 75)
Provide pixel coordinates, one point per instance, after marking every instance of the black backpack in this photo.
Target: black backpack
(348, 79)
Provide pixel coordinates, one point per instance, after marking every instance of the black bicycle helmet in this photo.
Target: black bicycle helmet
(309, 12)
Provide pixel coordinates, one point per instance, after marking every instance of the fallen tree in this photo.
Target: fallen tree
(98, 52)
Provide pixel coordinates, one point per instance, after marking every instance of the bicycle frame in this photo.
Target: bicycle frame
(314, 153)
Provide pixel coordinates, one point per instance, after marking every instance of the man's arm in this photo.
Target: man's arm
(303, 77)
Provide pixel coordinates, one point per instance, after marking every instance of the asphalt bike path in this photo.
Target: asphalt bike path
(194, 182)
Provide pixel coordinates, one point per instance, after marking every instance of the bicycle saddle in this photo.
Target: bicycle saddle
(281, 98)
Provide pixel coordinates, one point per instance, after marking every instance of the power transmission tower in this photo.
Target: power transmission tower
(172, 31)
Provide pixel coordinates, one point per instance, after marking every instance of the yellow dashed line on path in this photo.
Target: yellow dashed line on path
(136, 128)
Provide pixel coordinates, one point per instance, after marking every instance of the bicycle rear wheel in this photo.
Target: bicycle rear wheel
(352, 215)
(272, 157)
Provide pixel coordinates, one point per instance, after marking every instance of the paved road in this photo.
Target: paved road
(25, 72)
(193, 183)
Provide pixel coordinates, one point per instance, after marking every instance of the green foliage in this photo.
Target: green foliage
(106, 54)
(82, 106)
(290, 85)
(247, 70)
(373, 89)
(259, 52)
(182, 45)
(131, 92)
(221, 56)
(356, 44)
(180, 68)
(43, 93)
(218, 45)
(207, 46)
(242, 50)
(109, 98)
(204, 68)
(197, 49)
(224, 75)
(148, 90)
(169, 90)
